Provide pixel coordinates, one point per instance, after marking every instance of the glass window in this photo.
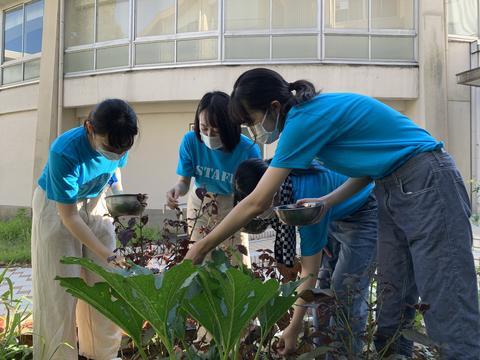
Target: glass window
(197, 15)
(33, 27)
(13, 35)
(12, 74)
(288, 14)
(392, 48)
(294, 47)
(79, 61)
(32, 69)
(79, 22)
(197, 49)
(346, 47)
(392, 14)
(155, 17)
(154, 53)
(112, 20)
(247, 47)
(247, 14)
(112, 57)
(346, 14)
(463, 17)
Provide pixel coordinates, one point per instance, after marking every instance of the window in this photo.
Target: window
(22, 42)
(370, 30)
(97, 34)
(116, 34)
(463, 17)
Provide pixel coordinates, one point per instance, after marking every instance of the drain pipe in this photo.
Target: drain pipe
(61, 43)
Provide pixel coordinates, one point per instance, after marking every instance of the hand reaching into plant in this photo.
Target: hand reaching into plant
(118, 261)
(180, 189)
(197, 252)
(287, 344)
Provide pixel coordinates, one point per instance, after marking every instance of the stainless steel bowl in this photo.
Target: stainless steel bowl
(255, 226)
(125, 204)
(300, 215)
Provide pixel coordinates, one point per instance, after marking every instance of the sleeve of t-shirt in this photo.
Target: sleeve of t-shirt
(113, 180)
(185, 165)
(313, 238)
(123, 160)
(301, 140)
(254, 152)
(62, 179)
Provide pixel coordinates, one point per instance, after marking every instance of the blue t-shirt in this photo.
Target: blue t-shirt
(316, 184)
(213, 169)
(352, 134)
(74, 170)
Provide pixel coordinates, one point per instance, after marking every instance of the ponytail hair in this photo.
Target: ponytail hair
(256, 89)
(304, 91)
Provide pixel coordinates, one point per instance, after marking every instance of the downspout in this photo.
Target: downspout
(60, 68)
(474, 150)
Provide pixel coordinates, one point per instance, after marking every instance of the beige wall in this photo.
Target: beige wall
(16, 157)
(18, 119)
(459, 118)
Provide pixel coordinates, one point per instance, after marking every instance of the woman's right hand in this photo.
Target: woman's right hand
(172, 197)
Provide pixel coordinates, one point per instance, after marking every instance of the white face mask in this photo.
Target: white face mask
(109, 155)
(212, 142)
(263, 136)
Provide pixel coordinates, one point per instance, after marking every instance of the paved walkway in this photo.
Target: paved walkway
(22, 286)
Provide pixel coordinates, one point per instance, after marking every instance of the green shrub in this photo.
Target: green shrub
(15, 239)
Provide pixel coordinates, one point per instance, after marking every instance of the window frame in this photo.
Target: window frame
(320, 31)
(25, 58)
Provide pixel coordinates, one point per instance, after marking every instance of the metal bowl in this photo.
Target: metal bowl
(300, 215)
(125, 204)
(255, 226)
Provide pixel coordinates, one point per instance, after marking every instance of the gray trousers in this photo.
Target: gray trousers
(425, 250)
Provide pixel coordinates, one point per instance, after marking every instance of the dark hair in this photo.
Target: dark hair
(249, 173)
(115, 119)
(256, 89)
(215, 105)
(246, 177)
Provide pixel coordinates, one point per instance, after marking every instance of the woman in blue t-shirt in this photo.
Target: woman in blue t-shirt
(211, 154)
(352, 224)
(68, 220)
(425, 237)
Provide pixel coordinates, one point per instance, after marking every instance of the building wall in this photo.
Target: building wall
(18, 119)
(458, 104)
(16, 157)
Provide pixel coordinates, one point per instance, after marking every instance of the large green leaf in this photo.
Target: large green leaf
(277, 306)
(155, 297)
(229, 300)
(103, 298)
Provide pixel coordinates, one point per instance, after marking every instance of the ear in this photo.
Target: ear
(275, 104)
(89, 127)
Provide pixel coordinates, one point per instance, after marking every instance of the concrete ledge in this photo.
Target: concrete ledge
(190, 83)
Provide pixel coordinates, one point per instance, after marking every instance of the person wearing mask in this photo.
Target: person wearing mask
(210, 154)
(425, 237)
(68, 220)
